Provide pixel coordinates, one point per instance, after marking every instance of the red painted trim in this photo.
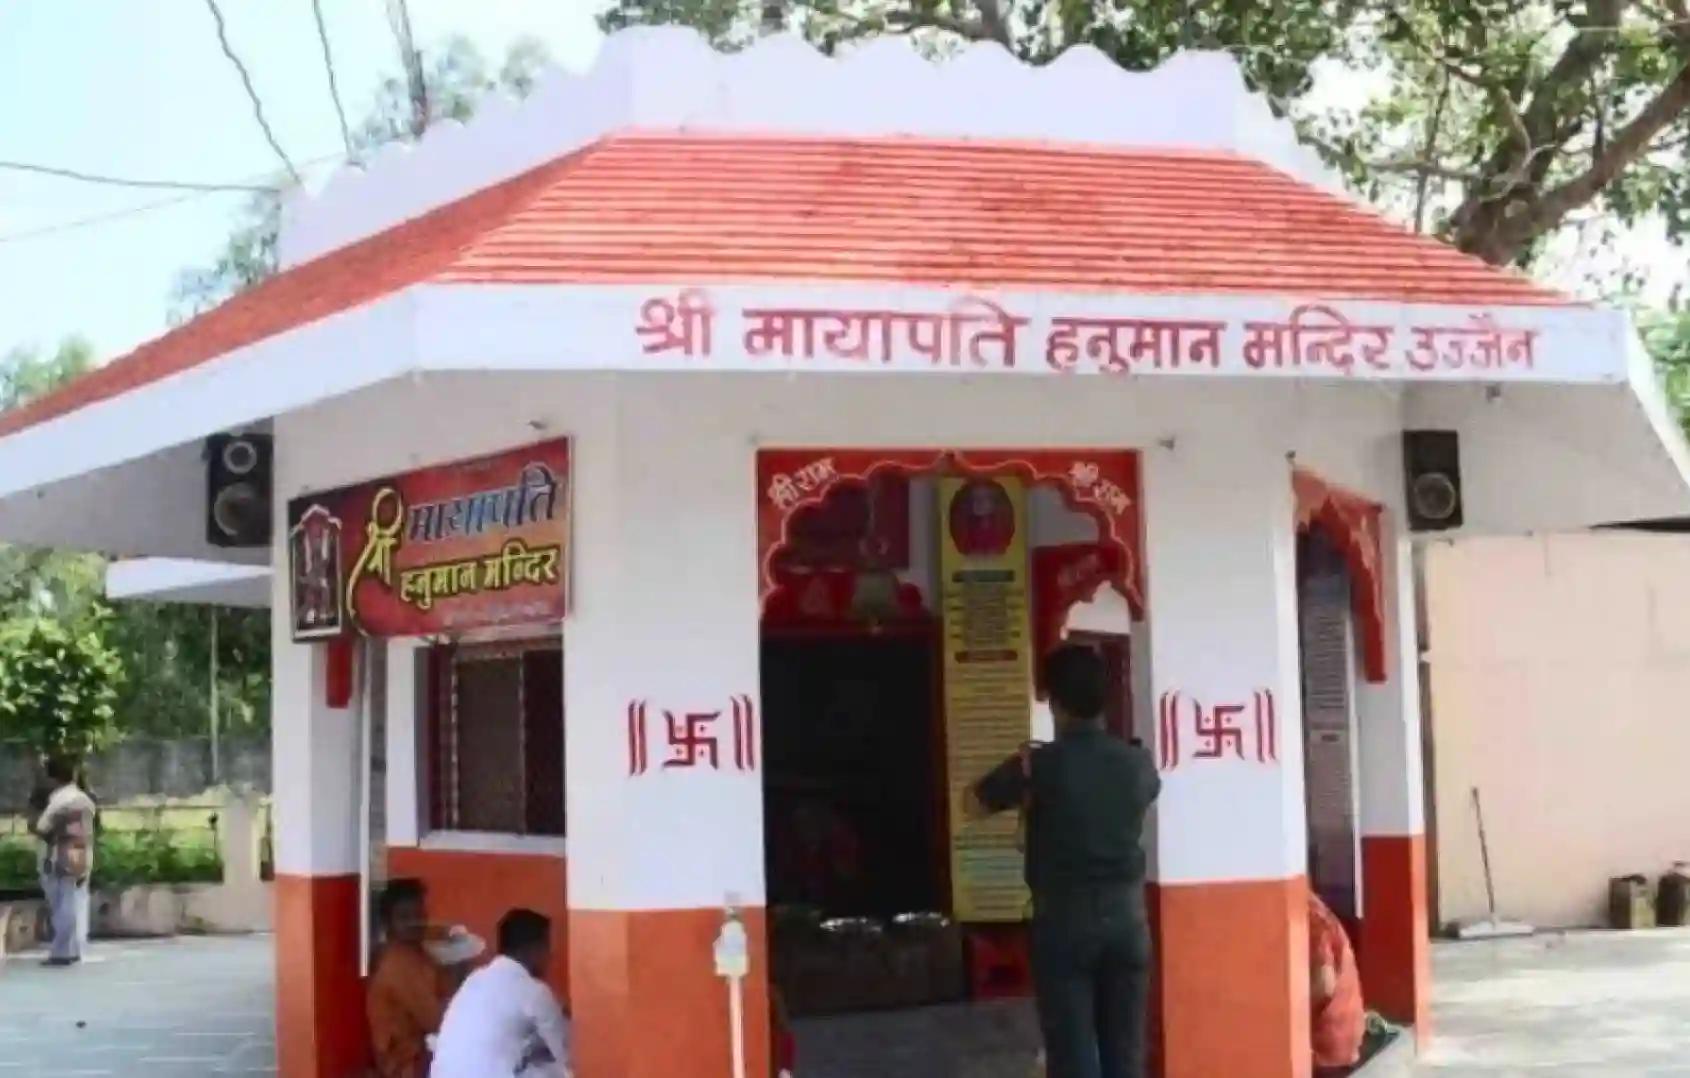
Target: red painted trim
(1395, 950)
(320, 1030)
(1352, 523)
(1065, 576)
(340, 665)
(788, 480)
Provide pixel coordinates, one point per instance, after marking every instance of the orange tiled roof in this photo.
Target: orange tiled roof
(686, 208)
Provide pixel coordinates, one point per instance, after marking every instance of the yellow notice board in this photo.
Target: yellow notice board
(988, 680)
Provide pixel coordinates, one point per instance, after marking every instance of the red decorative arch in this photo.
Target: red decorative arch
(1351, 523)
(1104, 484)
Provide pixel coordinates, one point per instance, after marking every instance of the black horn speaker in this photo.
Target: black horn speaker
(1432, 469)
(237, 474)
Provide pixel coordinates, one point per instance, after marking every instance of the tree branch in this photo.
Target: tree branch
(993, 21)
(1588, 45)
(1434, 125)
(1628, 144)
(938, 20)
(1679, 25)
(1410, 166)
(1499, 95)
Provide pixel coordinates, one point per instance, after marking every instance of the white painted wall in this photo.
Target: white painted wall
(1221, 556)
(1586, 447)
(665, 584)
(405, 662)
(314, 762)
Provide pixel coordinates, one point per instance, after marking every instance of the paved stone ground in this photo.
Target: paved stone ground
(987, 1040)
(1583, 1005)
(152, 1009)
(1596, 1004)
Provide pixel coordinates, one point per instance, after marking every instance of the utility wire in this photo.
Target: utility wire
(99, 218)
(189, 195)
(334, 85)
(124, 181)
(251, 92)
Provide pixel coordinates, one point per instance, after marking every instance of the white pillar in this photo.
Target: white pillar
(664, 785)
(314, 773)
(405, 658)
(1395, 943)
(1230, 847)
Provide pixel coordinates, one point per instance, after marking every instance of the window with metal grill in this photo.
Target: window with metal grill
(495, 739)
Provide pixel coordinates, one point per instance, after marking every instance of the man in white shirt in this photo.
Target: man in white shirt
(505, 1020)
(66, 827)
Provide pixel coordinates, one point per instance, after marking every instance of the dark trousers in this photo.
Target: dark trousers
(1091, 976)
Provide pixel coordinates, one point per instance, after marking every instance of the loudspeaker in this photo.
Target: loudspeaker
(1431, 462)
(237, 481)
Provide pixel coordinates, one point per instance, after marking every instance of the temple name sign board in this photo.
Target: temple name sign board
(467, 545)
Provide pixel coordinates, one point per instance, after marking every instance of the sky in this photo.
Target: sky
(142, 89)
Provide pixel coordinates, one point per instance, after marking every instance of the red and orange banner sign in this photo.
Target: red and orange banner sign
(469, 545)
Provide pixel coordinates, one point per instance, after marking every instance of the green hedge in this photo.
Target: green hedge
(126, 858)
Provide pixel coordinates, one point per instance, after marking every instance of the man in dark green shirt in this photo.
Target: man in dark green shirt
(1085, 796)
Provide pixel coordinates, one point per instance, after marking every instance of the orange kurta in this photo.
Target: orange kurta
(407, 1000)
(1341, 1021)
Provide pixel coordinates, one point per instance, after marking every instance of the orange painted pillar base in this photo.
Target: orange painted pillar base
(320, 1028)
(646, 999)
(1232, 986)
(1395, 952)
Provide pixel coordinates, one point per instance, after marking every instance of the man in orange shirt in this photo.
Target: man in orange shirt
(408, 989)
(1339, 1020)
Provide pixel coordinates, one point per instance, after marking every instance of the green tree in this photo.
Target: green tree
(1497, 122)
(166, 648)
(45, 583)
(1507, 120)
(58, 686)
(26, 374)
(455, 79)
(1667, 335)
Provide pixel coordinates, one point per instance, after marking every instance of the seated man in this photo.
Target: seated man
(407, 990)
(1339, 1021)
(505, 1020)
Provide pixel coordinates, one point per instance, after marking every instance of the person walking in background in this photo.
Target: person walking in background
(505, 1020)
(66, 827)
(1085, 796)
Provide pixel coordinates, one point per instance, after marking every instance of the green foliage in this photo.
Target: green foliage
(165, 648)
(125, 858)
(58, 686)
(248, 256)
(156, 855)
(18, 860)
(171, 643)
(1502, 122)
(1667, 335)
(25, 374)
(457, 79)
